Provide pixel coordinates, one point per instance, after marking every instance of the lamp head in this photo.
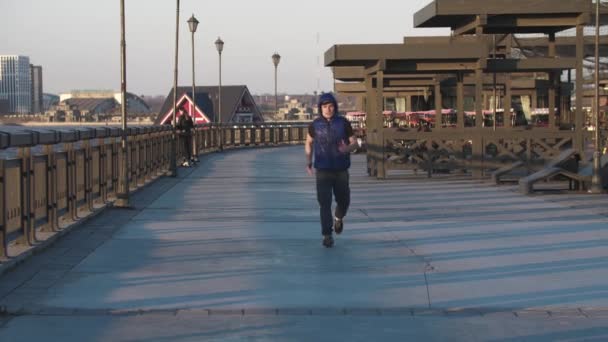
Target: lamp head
(192, 23)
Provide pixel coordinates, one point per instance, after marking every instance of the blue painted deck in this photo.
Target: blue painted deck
(231, 250)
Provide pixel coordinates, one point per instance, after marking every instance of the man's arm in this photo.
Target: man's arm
(352, 145)
(308, 150)
(352, 140)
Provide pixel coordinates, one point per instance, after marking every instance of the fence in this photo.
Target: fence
(48, 177)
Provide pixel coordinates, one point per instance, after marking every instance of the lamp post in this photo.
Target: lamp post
(193, 24)
(596, 182)
(173, 166)
(123, 195)
(276, 58)
(219, 44)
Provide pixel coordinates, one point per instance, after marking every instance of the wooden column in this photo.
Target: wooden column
(551, 45)
(370, 125)
(360, 103)
(478, 98)
(486, 100)
(551, 94)
(578, 117)
(380, 124)
(568, 99)
(460, 100)
(437, 97)
(506, 101)
(563, 105)
(477, 139)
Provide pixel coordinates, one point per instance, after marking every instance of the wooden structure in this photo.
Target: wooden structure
(478, 49)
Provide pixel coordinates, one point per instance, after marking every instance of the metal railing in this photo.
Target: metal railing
(52, 177)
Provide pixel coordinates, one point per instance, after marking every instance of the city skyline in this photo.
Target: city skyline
(79, 50)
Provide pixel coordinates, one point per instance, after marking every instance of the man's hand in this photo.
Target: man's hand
(309, 170)
(343, 148)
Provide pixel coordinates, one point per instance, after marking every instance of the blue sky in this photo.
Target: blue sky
(77, 42)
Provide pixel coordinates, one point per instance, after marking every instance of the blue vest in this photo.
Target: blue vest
(328, 135)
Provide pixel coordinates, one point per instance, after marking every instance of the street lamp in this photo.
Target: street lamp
(123, 195)
(219, 44)
(276, 58)
(193, 24)
(173, 166)
(596, 182)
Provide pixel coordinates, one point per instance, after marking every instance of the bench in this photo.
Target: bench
(579, 179)
(564, 160)
(497, 174)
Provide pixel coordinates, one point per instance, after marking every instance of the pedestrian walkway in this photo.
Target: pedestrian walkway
(231, 250)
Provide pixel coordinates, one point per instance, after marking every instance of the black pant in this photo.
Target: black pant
(187, 138)
(328, 182)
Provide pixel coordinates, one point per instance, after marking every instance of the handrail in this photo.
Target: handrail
(50, 178)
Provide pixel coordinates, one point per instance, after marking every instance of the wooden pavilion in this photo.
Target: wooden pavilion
(479, 48)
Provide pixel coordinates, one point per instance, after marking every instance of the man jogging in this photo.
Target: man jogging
(186, 124)
(331, 139)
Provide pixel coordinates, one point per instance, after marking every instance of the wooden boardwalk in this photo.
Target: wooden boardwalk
(231, 250)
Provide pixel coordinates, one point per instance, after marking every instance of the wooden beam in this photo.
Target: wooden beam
(358, 87)
(430, 66)
(540, 64)
(380, 65)
(450, 13)
(349, 73)
(367, 55)
(547, 20)
(479, 21)
(409, 83)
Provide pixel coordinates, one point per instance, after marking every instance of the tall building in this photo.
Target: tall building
(15, 84)
(37, 100)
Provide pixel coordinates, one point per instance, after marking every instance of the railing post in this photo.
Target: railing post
(51, 193)
(139, 150)
(72, 188)
(27, 224)
(152, 154)
(103, 167)
(133, 165)
(88, 174)
(148, 156)
(116, 156)
(3, 213)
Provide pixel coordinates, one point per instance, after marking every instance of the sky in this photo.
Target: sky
(77, 42)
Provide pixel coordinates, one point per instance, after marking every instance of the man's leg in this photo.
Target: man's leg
(187, 147)
(325, 181)
(190, 152)
(342, 193)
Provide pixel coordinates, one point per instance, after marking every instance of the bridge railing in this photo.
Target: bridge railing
(50, 178)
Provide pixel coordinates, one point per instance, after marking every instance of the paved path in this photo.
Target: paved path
(232, 250)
